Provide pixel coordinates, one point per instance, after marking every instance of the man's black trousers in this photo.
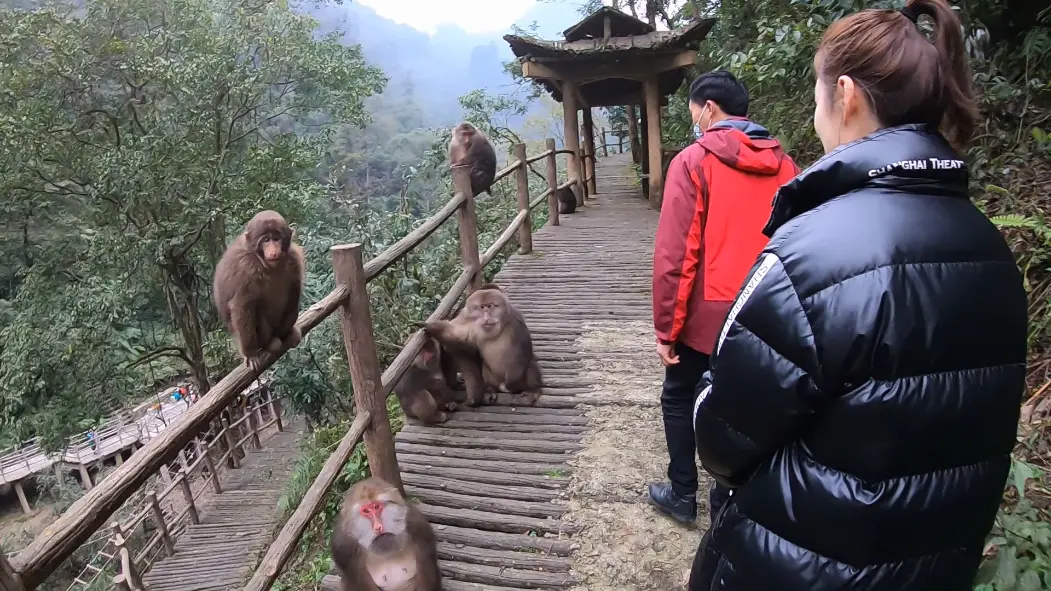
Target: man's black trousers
(677, 397)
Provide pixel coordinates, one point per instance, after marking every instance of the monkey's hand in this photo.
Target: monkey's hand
(294, 338)
(434, 328)
(254, 362)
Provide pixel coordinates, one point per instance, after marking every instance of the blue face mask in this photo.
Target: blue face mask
(697, 131)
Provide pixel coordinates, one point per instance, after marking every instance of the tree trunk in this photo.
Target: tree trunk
(180, 283)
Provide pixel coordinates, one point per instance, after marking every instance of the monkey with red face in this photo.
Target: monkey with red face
(382, 543)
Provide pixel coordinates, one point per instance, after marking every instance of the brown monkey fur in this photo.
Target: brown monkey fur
(492, 327)
(567, 200)
(377, 535)
(470, 147)
(258, 283)
(425, 391)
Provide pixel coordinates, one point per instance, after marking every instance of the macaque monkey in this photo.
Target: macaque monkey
(470, 147)
(567, 200)
(425, 391)
(382, 543)
(257, 287)
(490, 325)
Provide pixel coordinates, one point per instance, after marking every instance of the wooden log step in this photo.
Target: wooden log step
(510, 426)
(503, 558)
(452, 500)
(460, 440)
(474, 477)
(466, 536)
(492, 575)
(509, 431)
(467, 453)
(515, 493)
(490, 414)
(512, 524)
(332, 583)
(523, 410)
(442, 463)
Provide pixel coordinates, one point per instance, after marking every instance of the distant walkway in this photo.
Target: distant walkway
(236, 526)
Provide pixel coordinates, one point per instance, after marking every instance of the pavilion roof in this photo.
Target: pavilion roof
(585, 48)
(621, 25)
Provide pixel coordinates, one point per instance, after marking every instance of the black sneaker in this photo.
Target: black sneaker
(682, 509)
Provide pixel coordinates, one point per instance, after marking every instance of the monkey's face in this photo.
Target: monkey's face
(271, 244)
(378, 523)
(487, 310)
(429, 355)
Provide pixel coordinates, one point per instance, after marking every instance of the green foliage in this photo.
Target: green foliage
(1019, 548)
(131, 133)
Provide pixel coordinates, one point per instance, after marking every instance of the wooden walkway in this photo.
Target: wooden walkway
(236, 526)
(495, 481)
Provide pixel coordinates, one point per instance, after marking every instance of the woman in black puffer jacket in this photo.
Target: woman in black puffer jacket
(864, 393)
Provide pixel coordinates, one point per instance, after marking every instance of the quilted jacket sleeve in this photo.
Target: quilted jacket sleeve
(762, 387)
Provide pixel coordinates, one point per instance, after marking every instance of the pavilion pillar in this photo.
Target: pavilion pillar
(653, 140)
(570, 126)
(633, 133)
(589, 146)
(644, 149)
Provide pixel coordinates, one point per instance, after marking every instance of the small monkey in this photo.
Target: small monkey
(490, 325)
(425, 391)
(382, 543)
(567, 200)
(470, 147)
(258, 283)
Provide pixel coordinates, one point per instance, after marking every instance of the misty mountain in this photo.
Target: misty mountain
(436, 70)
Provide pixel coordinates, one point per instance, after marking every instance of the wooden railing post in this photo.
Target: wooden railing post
(525, 231)
(128, 577)
(254, 426)
(275, 409)
(467, 220)
(187, 493)
(9, 579)
(356, 321)
(158, 516)
(231, 442)
(205, 451)
(605, 148)
(552, 183)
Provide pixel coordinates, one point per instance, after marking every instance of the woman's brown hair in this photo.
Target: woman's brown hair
(906, 77)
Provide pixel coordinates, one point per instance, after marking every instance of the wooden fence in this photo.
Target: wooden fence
(160, 515)
(31, 566)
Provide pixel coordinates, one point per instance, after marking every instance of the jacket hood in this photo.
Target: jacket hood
(914, 158)
(744, 145)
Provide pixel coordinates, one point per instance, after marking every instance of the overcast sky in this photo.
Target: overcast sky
(474, 16)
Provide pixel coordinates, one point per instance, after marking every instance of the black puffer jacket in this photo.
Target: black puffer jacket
(865, 391)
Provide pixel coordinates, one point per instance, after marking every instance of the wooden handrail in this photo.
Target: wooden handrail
(281, 550)
(500, 174)
(540, 156)
(34, 563)
(505, 237)
(413, 239)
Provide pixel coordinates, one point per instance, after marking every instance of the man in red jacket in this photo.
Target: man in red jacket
(717, 198)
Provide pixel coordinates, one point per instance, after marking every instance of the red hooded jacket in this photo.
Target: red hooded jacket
(717, 198)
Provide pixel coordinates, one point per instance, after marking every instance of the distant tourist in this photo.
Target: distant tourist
(865, 391)
(716, 200)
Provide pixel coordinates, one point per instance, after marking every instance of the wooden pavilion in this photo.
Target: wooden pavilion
(613, 59)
